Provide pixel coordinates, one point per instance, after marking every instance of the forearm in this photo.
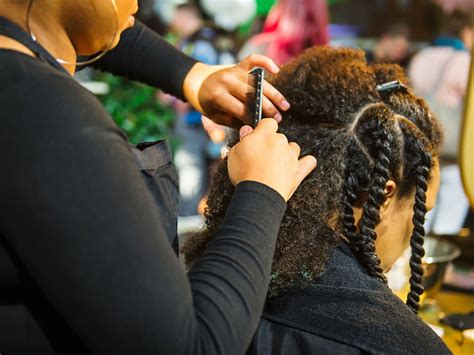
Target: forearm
(94, 246)
(229, 281)
(107, 262)
(144, 56)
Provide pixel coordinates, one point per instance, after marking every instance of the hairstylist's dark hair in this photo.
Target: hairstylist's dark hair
(361, 138)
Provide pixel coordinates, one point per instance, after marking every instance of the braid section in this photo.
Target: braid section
(417, 148)
(375, 132)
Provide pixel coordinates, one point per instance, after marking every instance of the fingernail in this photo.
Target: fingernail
(275, 69)
(278, 117)
(244, 131)
(285, 105)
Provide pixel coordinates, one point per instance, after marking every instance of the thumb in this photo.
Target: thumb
(245, 131)
(305, 166)
(259, 60)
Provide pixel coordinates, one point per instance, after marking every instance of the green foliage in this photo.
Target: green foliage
(264, 6)
(135, 108)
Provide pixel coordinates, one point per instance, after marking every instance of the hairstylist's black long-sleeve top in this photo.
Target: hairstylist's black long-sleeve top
(75, 216)
(144, 56)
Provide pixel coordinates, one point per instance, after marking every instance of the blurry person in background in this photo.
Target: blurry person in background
(450, 6)
(291, 27)
(440, 73)
(392, 46)
(197, 150)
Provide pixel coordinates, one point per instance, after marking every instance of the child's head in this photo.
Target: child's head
(377, 168)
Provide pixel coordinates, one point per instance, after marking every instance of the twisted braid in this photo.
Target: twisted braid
(348, 221)
(356, 182)
(378, 127)
(417, 148)
(351, 189)
(423, 137)
(416, 242)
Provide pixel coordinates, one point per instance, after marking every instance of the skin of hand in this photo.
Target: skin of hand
(265, 156)
(220, 92)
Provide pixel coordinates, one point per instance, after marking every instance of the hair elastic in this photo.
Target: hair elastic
(391, 85)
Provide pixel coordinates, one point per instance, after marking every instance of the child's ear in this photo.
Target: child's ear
(390, 189)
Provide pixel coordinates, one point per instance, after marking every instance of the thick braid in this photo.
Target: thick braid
(416, 147)
(351, 188)
(416, 242)
(348, 221)
(378, 127)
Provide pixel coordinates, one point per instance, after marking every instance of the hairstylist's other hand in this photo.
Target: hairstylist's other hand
(265, 156)
(220, 92)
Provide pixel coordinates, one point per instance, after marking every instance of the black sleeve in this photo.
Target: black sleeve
(76, 212)
(144, 56)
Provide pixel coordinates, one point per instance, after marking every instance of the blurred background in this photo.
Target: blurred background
(431, 39)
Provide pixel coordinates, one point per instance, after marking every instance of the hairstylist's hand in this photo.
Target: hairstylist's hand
(220, 92)
(265, 156)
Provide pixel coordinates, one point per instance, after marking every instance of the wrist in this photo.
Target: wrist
(270, 185)
(258, 188)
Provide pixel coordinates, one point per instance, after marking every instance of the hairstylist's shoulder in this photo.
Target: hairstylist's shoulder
(54, 129)
(43, 98)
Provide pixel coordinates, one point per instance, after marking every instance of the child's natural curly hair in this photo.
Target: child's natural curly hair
(361, 138)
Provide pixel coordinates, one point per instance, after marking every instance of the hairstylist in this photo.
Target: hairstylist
(87, 245)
